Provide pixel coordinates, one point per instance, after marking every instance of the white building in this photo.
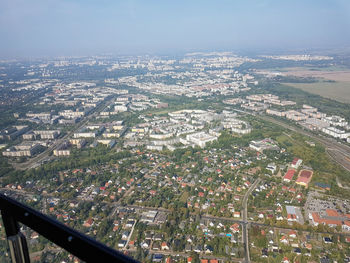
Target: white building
(23, 149)
(276, 112)
(121, 107)
(336, 133)
(336, 121)
(200, 138)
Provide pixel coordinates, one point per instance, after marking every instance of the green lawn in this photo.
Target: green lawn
(339, 91)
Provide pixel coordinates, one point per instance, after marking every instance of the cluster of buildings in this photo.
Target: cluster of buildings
(262, 145)
(330, 211)
(204, 76)
(308, 116)
(304, 57)
(132, 102)
(24, 149)
(331, 218)
(185, 128)
(13, 132)
(31, 141)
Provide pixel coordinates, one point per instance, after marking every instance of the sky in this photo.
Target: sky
(40, 28)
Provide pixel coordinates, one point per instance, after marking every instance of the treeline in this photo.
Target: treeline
(90, 158)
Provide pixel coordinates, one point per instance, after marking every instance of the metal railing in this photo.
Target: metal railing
(78, 244)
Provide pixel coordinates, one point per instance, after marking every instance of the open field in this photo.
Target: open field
(339, 91)
(334, 82)
(335, 75)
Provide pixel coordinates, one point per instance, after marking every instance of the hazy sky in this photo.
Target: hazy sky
(84, 27)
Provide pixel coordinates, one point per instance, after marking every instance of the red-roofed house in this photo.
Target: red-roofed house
(346, 226)
(296, 163)
(235, 228)
(164, 246)
(289, 175)
(89, 222)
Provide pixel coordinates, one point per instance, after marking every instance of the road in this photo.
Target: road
(245, 219)
(130, 235)
(186, 255)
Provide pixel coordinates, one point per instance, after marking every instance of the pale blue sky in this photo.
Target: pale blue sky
(88, 27)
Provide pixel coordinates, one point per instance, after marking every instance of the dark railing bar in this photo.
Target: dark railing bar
(83, 247)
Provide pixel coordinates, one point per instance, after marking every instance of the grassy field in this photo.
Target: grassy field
(339, 90)
(333, 82)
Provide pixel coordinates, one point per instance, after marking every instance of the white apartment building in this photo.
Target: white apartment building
(200, 138)
(336, 133)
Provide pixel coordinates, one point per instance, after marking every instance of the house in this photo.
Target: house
(89, 222)
(234, 228)
(237, 214)
(125, 235)
(297, 250)
(264, 253)
(284, 240)
(164, 246)
(34, 235)
(285, 260)
(346, 226)
(158, 237)
(156, 246)
(188, 248)
(308, 246)
(209, 249)
(198, 249)
(148, 236)
(157, 258)
(146, 244)
(289, 175)
(129, 223)
(189, 239)
(132, 243)
(292, 234)
(121, 243)
(296, 163)
(327, 240)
